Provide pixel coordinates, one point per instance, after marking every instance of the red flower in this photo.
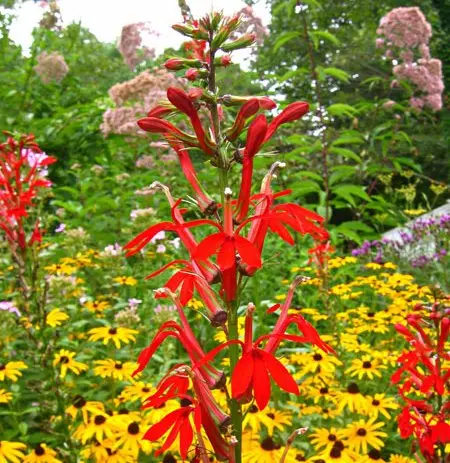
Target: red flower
(291, 113)
(178, 423)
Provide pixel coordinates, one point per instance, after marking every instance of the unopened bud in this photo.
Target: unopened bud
(195, 93)
(175, 64)
(225, 60)
(242, 42)
(192, 74)
(228, 191)
(184, 29)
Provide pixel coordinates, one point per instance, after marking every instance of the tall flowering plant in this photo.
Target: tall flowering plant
(23, 172)
(423, 380)
(219, 265)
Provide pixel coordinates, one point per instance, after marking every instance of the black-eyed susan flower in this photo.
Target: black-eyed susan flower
(351, 398)
(100, 427)
(255, 418)
(11, 370)
(61, 269)
(124, 280)
(317, 361)
(97, 306)
(379, 404)
(373, 455)
(65, 361)
(137, 391)
(5, 396)
(395, 458)
(42, 454)
(338, 453)
(361, 434)
(278, 419)
(130, 438)
(265, 451)
(11, 451)
(116, 335)
(103, 452)
(366, 366)
(55, 318)
(323, 438)
(114, 369)
(83, 406)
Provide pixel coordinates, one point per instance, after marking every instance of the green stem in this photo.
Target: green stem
(235, 407)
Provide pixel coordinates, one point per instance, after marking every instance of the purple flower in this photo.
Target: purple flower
(9, 307)
(60, 228)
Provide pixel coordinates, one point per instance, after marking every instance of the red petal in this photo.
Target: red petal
(186, 437)
(279, 373)
(248, 252)
(159, 429)
(226, 258)
(209, 245)
(261, 381)
(242, 375)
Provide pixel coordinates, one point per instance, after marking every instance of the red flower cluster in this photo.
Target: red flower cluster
(22, 175)
(229, 254)
(423, 379)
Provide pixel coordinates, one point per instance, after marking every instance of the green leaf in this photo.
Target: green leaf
(304, 187)
(348, 191)
(341, 173)
(308, 174)
(351, 137)
(346, 153)
(285, 38)
(341, 109)
(316, 36)
(337, 74)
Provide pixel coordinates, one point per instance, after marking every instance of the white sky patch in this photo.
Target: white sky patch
(105, 18)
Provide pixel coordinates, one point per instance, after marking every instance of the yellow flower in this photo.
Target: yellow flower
(11, 451)
(11, 370)
(55, 318)
(337, 454)
(361, 434)
(61, 269)
(351, 398)
(5, 396)
(66, 362)
(116, 335)
(367, 366)
(80, 403)
(128, 281)
(400, 459)
(97, 306)
(414, 212)
(323, 438)
(100, 426)
(267, 451)
(280, 297)
(317, 362)
(137, 391)
(114, 369)
(195, 304)
(42, 454)
(254, 418)
(278, 419)
(130, 438)
(379, 404)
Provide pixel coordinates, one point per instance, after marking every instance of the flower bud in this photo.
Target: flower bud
(242, 42)
(184, 29)
(192, 74)
(175, 64)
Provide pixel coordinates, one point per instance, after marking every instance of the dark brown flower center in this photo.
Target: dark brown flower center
(99, 420)
(371, 314)
(332, 437)
(317, 357)
(118, 366)
(145, 389)
(367, 364)
(375, 402)
(79, 401)
(253, 409)
(335, 453)
(112, 331)
(268, 444)
(374, 455)
(169, 458)
(64, 359)
(353, 388)
(133, 428)
(323, 390)
(39, 450)
(184, 402)
(2, 367)
(339, 445)
(300, 457)
(361, 432)
(271, 415)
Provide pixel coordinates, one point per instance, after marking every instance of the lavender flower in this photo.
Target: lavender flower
(9, 307)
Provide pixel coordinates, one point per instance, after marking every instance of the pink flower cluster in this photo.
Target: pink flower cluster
(133, 99)
(130, 44)
(251, 24)
(51, 66)
(406, 33)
